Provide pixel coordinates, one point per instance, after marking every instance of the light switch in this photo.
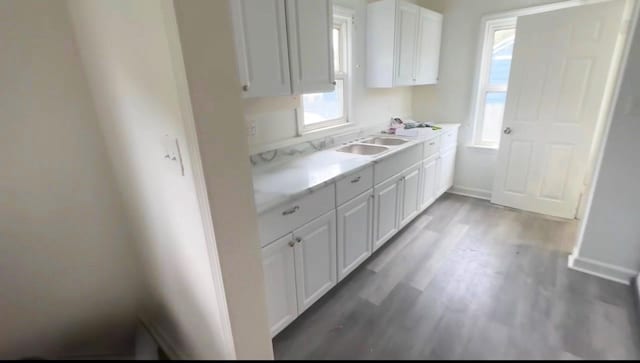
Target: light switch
(172, 153)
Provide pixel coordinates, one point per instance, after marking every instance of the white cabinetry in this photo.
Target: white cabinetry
(261, 47)
(403, 44)
(283, 47)
(280, 282)
(429, 182)
(315, 259)
(410, 192)
(385, 213)
(310, 25)
(446, 169)
(354, 233)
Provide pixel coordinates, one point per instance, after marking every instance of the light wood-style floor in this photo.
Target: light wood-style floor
(469, 280)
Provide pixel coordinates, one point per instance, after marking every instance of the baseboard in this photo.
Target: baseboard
(471, 192)
(606, 271)
(173, 352)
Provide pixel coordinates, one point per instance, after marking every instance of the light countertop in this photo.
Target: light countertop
(277, 184)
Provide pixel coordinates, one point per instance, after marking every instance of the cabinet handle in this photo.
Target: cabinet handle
(333, 83)
(298, 239)
(291, 243)
(245, 88)
(355, 180)
(291, 211)
(432, 143)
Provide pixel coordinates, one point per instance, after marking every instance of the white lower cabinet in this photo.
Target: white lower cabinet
(446, 170)
(354, 233)
(428, 188)
(315, 259)
(410, 191)
(385, 210)
(280, 282)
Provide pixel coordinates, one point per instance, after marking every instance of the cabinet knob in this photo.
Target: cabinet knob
(291, 243)
(245, 88)
(298, 239)
(507, 131)
(333, 83)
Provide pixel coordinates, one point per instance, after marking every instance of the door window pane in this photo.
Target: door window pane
(336, 50)
(501, 56)
(320, 107)
(493, 113)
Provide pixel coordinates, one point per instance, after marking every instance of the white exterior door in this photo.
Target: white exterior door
(280, 284)
(410, 193)
(559, 71)
(406, 34)
(386, 211)
(354, 233)
(428, 182)
(428, 52)
(315, 259)
(260, 32)
(310, 26)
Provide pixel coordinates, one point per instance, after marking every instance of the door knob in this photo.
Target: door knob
(507, 130)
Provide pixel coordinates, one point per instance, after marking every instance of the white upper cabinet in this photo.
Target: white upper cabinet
(310, 26)
(403, 44)
(428, 49)
(283, 47)
(261, 47)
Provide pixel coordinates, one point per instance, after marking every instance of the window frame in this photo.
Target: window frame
(482, 86)
(343, 21)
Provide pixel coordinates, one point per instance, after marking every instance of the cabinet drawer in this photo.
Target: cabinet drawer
(397, 163)
(278, 221)
(431, 147)
(448, 139)
(354, 184)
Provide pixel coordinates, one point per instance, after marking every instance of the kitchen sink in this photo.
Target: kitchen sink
(362, 149)
(385, 141)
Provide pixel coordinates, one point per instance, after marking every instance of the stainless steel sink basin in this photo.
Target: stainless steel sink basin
(385, 141)
(362, 149)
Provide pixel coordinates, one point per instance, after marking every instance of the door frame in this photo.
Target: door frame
(614, 81)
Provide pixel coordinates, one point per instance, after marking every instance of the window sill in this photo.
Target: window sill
(329, 128)
(310, 135)
(483, 147)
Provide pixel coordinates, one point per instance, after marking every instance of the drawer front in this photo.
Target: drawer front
(278, 221)
(397, 163)
(448, 139)
(353, 185)
(431, 147)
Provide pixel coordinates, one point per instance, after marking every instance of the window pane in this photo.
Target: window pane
(319, 107)
(493, 113)
(336, 49)
(501, 56)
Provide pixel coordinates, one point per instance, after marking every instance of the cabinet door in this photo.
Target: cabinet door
(315, 259)
(410, 192)
(446, 170)
(386, 211)
(310, 29)
(355, 220)
(407, 16)
(428, 182)
(428, 49)
(261, 47)
(280, 283)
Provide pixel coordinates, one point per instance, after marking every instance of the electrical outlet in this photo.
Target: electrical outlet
(252, 128)
(173, 154)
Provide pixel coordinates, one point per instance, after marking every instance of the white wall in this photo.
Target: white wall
(275, 117)
(67, 278)
(209, 63)
(128, 58)
(450, 100)
(610, 234)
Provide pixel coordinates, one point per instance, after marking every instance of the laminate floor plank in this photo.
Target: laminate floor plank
(469, 280)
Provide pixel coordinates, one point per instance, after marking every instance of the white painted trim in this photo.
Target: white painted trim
(542, 9)
(172, 351)
(182, 91)
(470, 192)
(604, 270)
